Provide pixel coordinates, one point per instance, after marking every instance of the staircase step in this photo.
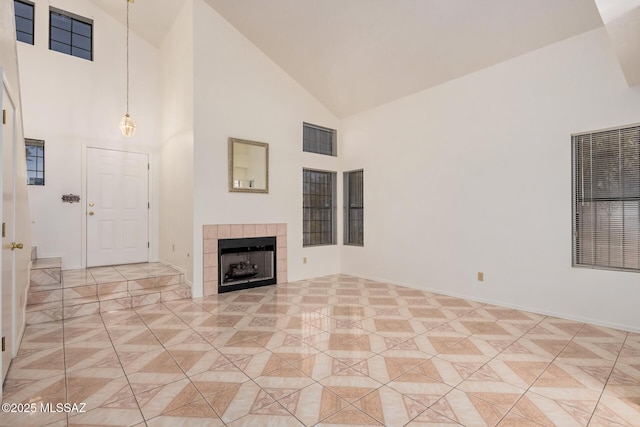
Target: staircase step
(79, 295)
(42, 313)
(46, 272)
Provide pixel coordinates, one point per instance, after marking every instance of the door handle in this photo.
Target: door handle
(15, 246)
(91, 213)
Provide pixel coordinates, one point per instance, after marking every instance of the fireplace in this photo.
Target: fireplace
(246, 263)
(212, 233)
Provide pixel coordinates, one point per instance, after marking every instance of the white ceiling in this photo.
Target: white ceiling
(611, 10)
(622, 19)
(151, 19)
(357, 54)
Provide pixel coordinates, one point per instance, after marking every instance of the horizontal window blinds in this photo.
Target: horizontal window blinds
(606, 183)
(319, 208)
(316, 139)
(354, 208)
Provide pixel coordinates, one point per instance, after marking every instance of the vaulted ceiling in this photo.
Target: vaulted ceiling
(353, 55)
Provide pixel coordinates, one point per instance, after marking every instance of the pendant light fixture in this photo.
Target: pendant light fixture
(127, 126)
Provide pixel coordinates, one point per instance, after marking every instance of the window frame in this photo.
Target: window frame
(35, 143)
(353, 237)
(74, 18)
(306, 143)
(311, 209)
(32, 20)
(583, 246)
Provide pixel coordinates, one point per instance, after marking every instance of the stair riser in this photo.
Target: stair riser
(49, 293)
(44, 296)
(46, 276)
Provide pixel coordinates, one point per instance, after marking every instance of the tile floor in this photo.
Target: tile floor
(331, 351)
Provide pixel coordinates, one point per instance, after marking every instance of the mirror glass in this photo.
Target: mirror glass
(248, 166)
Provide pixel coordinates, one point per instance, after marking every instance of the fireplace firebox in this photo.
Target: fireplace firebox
(246, 263)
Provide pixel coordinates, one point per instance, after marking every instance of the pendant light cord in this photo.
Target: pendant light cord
(127, 56)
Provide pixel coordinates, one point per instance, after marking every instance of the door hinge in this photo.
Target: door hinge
(3, 344)
(4, 230)
(148, 205)
(4, 117)
(148, 166)
(147, 244)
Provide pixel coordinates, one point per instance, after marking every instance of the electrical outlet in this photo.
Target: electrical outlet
(480, 276)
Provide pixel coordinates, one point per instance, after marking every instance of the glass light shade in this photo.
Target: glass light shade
(127, 126)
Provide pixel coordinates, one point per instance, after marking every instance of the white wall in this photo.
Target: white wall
(73, 103)
(241, 93)
(475, 175)
(176, 181)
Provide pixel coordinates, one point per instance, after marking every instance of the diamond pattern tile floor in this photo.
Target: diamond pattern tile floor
(333, 351)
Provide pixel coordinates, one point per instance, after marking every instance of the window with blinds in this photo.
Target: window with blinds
(319, 140)
(354, 208)
(606, 189)
(319, 208)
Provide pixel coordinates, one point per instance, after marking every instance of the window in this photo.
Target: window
(70, 34)
(606, 189)
(35, 161)
(316, 139)
(24, 21)
(319, 208)
(354, 208)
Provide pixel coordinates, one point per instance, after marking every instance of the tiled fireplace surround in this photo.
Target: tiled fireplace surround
(211, 234)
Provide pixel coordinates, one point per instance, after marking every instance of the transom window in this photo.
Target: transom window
(319, 208)
(70, 34)
(24, 21)
(320, 140)
(35, 161)
(354, 208)
(606, 187)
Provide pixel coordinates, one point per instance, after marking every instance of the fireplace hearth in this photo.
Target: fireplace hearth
(246, 263)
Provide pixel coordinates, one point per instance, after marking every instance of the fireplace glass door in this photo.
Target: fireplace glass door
(246, 263)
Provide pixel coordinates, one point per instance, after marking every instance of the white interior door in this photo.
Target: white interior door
(117, 207)
(7, 209)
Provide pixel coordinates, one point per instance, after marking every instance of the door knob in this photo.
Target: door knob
(91, 204)
(15, 245)
(91, 213)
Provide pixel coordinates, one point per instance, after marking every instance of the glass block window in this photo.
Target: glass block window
(317, 139)
(319, 208)
(606, 199)
(35, 161)
(24, 21)
(70, 34)
(354, 208)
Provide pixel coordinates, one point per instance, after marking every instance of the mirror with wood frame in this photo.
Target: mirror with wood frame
(248, 166)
